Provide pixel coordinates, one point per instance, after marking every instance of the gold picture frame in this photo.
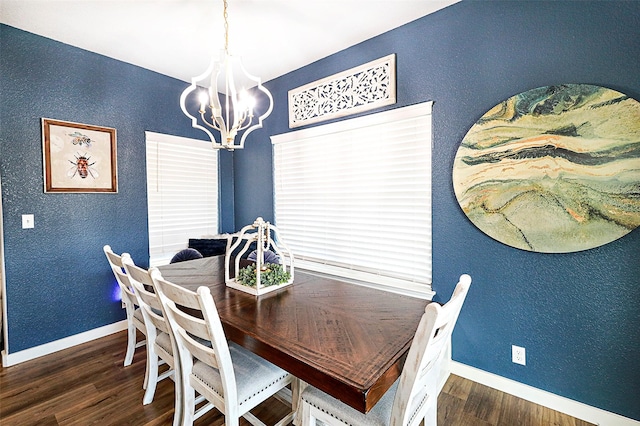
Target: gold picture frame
(78, 157)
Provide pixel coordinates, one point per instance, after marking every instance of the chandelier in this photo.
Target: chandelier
(223, 107)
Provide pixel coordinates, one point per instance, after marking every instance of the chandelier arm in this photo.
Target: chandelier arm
(212, 124)
(244, 124)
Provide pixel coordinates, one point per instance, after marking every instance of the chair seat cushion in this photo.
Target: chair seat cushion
(253, 374)
(137, 314)
(164, 341)
(380, 414)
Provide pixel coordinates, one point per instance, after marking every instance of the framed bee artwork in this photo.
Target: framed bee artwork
(78, 157)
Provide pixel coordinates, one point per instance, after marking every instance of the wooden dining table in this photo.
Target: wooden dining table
(348, 340)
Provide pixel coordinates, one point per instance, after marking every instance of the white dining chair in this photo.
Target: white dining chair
(231, 378)
(413, 398)
(135, 319)
(160, 340)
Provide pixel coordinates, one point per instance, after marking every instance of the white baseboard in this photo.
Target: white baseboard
(58, 345)
(555, 402)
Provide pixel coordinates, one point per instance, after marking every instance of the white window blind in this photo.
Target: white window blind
(353, 198)
(182, 193)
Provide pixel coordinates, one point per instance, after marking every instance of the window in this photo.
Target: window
(182, 193)
(353, 198)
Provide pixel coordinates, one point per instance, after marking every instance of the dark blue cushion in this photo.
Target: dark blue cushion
(186, 254)
(209, 246)
(267, 255)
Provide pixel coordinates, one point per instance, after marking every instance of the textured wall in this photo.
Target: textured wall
(58, 280)
(577, 314)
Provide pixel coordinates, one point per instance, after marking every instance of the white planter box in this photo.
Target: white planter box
(269, 245)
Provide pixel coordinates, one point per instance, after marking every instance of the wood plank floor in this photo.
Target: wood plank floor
(87, 385)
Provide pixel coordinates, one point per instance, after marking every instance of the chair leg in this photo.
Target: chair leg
(304, 417)
(178, 391)
(297, 386)
(431, 415)
(151, 374)
(146, 375)
(177, 412)
(131, 343)
(231, 420)
(188, 404)
(296, 402)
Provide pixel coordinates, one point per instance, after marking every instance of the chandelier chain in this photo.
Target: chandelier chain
(226, 28)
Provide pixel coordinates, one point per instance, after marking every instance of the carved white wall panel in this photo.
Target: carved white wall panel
(358, 89)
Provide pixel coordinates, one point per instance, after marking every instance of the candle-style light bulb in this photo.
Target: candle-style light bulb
(242, 100)
(251, 102)
(204, 99)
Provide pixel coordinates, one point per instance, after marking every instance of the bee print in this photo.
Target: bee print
(80, 139)
(82, 167)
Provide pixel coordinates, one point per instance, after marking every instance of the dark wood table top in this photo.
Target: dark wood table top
(348, 340)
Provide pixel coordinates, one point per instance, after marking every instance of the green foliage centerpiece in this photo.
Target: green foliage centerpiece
(272, 266)
(270, 274)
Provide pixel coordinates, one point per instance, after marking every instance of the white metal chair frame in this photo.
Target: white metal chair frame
(202, 342)
(156, 324)
(129, 302)
(416, 397)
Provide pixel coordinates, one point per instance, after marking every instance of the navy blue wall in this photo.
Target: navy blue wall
(577, 314)
(57, 277)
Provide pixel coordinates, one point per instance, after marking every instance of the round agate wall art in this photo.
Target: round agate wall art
(554, 170)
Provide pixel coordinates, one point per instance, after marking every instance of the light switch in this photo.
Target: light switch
(27, 221)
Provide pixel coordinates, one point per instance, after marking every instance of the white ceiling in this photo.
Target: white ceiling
(178, 37)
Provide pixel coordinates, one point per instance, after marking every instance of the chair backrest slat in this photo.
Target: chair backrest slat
(193, 325)
(122, 277)
(177, 294)
(113, 258)
(194, 320)
(173, 296)
(116, 262)
(149, 301)
(198, 349)
(419, 378)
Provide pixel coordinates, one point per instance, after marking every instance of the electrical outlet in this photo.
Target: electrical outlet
(518, 355)
(27, 221)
